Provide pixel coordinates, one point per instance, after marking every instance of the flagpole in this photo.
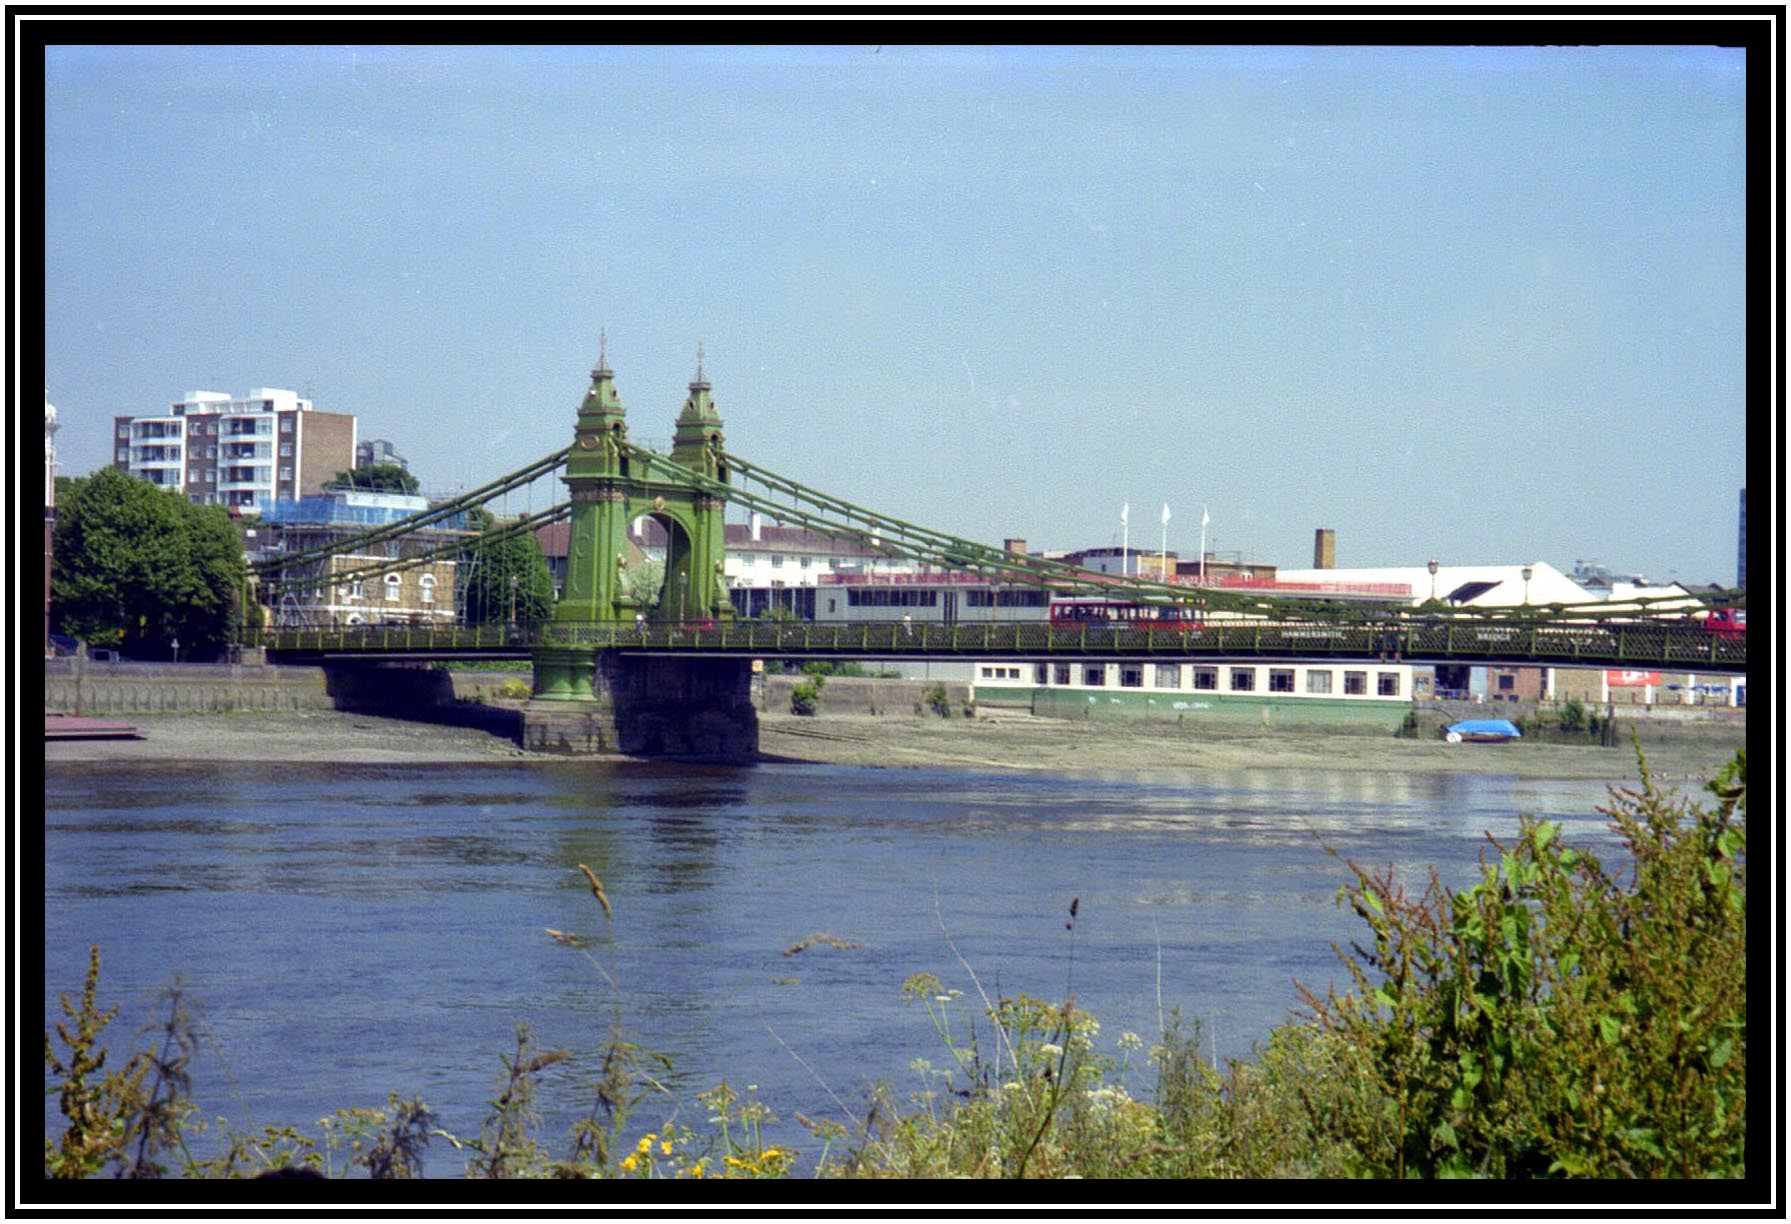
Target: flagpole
(1125, 537)
(1203, 523)
(1163, 557)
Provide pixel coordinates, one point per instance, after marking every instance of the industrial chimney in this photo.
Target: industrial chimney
(1324, 549)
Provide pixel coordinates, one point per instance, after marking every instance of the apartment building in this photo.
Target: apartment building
(244, 453)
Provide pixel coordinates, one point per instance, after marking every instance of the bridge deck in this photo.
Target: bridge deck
(1675, 646)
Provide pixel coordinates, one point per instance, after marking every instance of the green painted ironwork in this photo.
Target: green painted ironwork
(1672, 646)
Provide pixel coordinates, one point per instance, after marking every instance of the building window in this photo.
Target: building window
(1243, 679)
(1318, 682)
(988, 673)
(1206, 678)
(285, 450)
(393, 581)
(1507, 682)
(1039, 671)
(198, 427)
(1281, 680)
(806, 561)
(352, 590)
(1355, 684)
(124, 454)
(285, 473)
(124, 431)
(1131, 675)
(427, 583)
(832, 604)
(1169, 675)
(1387, 684)
(1060, 673)
(1094, 677)
(777, 560)
(285, 424)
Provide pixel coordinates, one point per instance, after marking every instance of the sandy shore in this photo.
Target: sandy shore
(1016, 742)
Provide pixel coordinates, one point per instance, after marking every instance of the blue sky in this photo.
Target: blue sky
(1485, 305)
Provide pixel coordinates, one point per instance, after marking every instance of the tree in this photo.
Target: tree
(488, 565)
(140, 567)
(644, 582)
(377, 478)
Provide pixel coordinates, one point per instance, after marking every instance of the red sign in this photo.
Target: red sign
(1632, 679)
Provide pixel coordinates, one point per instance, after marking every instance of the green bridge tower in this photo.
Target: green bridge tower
(640, 704)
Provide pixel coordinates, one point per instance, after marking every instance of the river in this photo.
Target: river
(350, 931)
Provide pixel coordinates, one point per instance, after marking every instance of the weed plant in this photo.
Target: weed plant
(1558, 1018)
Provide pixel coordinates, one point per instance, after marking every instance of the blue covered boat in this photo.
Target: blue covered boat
(1482, 731)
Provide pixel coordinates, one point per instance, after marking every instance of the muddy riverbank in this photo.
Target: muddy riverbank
(1004, 742)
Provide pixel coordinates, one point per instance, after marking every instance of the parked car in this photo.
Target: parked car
(62, 645)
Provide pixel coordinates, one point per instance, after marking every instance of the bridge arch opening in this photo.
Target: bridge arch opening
(672, 600)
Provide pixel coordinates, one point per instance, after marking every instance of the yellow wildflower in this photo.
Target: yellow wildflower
(629, 1163)
(665, 1146)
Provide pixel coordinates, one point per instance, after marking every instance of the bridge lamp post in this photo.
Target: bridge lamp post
(512, 601)
(684, 595)
(1527, 572)
(1432, 567)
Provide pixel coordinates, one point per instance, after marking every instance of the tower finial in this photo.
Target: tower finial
(699, 376)
(602, 352)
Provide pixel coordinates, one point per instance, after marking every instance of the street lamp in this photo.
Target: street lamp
(176, 645)
(1527, 572)
(1432, 567)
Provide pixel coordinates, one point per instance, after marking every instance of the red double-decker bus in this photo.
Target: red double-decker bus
(1727, 623)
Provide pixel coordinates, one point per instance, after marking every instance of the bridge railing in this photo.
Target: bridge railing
(1678, 645)
(421, 640)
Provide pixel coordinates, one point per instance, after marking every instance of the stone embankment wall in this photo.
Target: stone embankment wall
(862, 695)
(82, 686)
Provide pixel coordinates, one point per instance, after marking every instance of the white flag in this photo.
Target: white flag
(1165, 514)
(1204, 520)
(1125, 513)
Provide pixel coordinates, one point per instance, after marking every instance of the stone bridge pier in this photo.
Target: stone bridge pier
(644, 705)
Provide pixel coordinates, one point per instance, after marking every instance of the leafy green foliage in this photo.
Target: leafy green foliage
(1551, 1020)
(496, 568)
(98, 1110)
(805, 698)
(140, 567)
(644, 582)
(375, 477)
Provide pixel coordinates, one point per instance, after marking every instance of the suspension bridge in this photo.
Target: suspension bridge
(615, 667)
